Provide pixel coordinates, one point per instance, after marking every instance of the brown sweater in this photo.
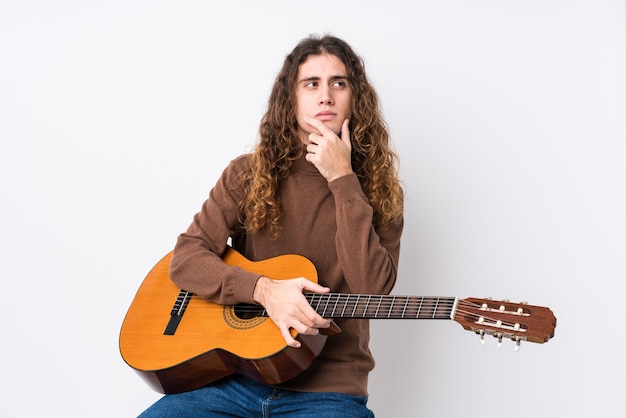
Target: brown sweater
(330, 224)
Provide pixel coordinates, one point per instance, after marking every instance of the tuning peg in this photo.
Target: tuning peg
(482, 336)
(498, 335)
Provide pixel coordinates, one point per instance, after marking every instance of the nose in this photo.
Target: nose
(326, 95)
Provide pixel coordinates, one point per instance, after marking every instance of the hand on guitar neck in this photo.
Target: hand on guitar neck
(286, 305)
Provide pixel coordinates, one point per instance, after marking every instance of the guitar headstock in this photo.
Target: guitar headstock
(504, 319)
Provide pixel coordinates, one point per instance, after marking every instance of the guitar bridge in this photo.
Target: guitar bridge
(177, 312)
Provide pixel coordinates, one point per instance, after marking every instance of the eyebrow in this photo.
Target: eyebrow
(316, 78)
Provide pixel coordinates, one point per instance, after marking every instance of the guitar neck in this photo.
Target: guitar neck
(342, 305)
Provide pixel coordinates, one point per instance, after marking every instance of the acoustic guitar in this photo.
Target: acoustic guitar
(179, 342)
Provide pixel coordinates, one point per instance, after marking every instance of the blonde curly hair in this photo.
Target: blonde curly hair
(374, 163)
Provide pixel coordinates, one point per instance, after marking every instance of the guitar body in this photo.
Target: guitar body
(211, 341)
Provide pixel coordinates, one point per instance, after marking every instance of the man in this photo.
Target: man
(322, 182)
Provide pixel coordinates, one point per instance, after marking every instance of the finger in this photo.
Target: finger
(291, 342)
(319, 125)
(345, 132)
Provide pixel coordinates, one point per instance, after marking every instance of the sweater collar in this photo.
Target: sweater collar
(301, 164)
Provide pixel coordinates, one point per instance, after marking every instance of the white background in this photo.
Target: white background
(116, 118)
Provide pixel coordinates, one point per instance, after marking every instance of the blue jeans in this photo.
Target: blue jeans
(237, 396)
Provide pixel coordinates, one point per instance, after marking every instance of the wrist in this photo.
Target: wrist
(340, 174)
(260, 289)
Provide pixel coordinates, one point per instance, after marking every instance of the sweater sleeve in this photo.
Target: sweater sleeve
(197, 265)
(368, 256)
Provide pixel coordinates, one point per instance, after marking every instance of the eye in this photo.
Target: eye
(311, 84)
(340, 84)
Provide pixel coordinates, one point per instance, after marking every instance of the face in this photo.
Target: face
(322, 92)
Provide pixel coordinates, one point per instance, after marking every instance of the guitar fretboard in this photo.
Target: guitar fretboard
(342, 305)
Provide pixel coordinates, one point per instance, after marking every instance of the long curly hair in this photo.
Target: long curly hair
(374, 163)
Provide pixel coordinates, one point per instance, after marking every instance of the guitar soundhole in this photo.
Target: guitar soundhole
(247, 311)
(243, 316)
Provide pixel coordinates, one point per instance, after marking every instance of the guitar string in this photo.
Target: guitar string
(399, 305)
(485, 315)
(491, 322)
(389, 302)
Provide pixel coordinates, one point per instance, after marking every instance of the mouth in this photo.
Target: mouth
(325, 115)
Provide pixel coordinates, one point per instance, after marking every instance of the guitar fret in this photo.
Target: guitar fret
(367, 304)
(405, 305)
(317, 304)
(345, 305)
(325, 305)
(393, 299)
(356, 303)
(435, 308)
(378, 307)
(332, 315)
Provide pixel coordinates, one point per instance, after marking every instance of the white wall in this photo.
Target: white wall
(117, 117)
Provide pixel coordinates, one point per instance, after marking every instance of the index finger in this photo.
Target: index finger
(319, 125)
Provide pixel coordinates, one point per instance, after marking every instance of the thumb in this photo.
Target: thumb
(314, 287)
